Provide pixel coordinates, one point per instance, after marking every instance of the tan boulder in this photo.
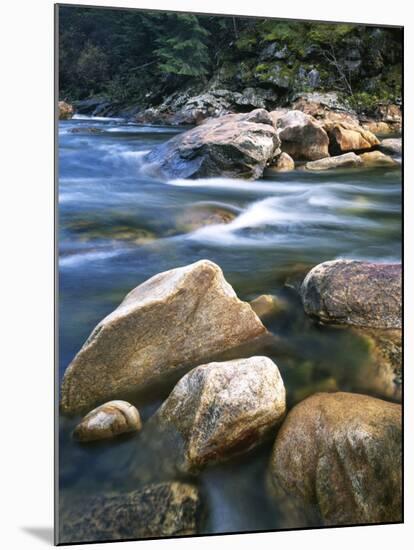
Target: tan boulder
(66, 110)
(376, 158)
(222, 409)
(165, 326)
(355, 293)
(107, 421)
(302, 136)
(337, 461)
(347, 160)
(344, 137)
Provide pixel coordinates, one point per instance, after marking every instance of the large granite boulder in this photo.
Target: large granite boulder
(66, 110)
(345, 137)
(158, 510)
(302, 136)
(337, 461)
(354, 293)
(163, 328)
(347, 160)
(219, 410)
(234, 145)
(107, 421)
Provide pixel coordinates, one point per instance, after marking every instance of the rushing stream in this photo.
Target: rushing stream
(118, 227)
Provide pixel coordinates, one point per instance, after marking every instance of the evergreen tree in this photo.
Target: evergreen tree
(182, 48)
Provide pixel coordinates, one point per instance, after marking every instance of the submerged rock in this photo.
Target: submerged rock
(392, 145)
(231, 146)
(66, 110)
(344, 137)
(107, 421)
(157, 510)
(222, 409)
(348, 160)
(163, 327)
(267, 305)
(337, 460)
(381, 373)
(302, 136)
(354, 293)
(202, 214)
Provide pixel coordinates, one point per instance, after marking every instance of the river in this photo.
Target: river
(118, 227)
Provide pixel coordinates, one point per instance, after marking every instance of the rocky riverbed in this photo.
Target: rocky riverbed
(210, 324)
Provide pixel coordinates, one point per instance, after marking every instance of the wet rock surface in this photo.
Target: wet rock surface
(157, 510)
(337, 460)
(354, 293)
(163, 327)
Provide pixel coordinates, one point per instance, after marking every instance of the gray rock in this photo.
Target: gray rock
(163, 327)
(107, 421)
(391, 145)
(157, 510)
(231, 146)
(222, 409)
(314, 78)
(354, 293)
(337, 460)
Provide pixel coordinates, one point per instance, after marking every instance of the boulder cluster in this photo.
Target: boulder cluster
(250, 145)
(336, 456)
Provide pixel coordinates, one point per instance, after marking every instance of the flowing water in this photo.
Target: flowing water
(118, 226)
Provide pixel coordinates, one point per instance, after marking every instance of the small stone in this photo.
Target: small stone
(283, 163)
(107, 421)
(267, 305)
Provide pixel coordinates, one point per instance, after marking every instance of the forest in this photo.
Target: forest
(139, 57)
